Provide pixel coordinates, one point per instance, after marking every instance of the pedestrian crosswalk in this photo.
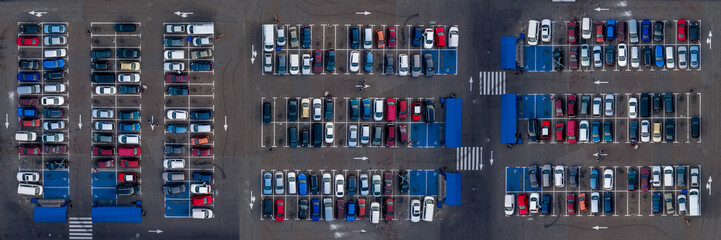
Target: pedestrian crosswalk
(80, 228)
(492, 83)
(469, 158)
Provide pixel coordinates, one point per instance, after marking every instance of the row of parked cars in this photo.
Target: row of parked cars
(354, 209)
(658, 56)
(199, 185)
(200, 36)
(389, 109)
(610, 30)
(304, 64)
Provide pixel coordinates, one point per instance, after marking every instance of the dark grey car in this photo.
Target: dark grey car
(127, 190)
(174, 42)
(533, 175)
(281, 64)
(175, 188)
(428, 60)
(532, 130)
(377, 135)
(546, 175)
(389, 64)
(681, 176)
(174, 149)
(585, 104)
(573, 177)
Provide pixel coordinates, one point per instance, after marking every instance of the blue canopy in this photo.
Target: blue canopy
(508, 118)
(116, 214)
(454, 123)
(51, 214)
(453, 189)
(508, 53)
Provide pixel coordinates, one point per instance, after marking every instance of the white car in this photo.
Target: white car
(28, 176)
(329, 133)
(669, 57)
(365, 134)
(365, 185)
(583, 131)
(129, 77)
(103, 126)
(632, 106)
(177, 114)
(428, 38)
(317, 109)
(453, 37)
(622, 56)
(292, 183)
(54, 87)
(546, 30)
(585, 55)
(173, 163)
(559, 179)
(682, 204)
(200, 188)
(354, 61)
(55, 40)
(104, 90)
(668, 176)
(174, 54)
(609, 105)
(53, 100)
(129, 139)
(305, 64)
(339, 185)
(694, 177)
(175, 28)
(200, 128)
(645, 131)
(279, 188)
(635, 57)
(102, 113)
(682, 56)
(327, 184)
(597, 61)
(280, 40)
(403, 64)
(608, 180)
(60, 52)
(53, 125)
(378, 110)
(173, 66)
(534, 203)
(294, 62)
(415, 210)
(376, 185)
(429, 206)
(202, 213)
(202, 41)
(595, 201)
(656, 176)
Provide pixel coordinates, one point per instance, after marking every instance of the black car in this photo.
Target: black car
(632, 180)
(645, 105)
(352, 185)
(657, 102)
(430, 111)
(670, 129)
(29, 29)
(695, 126)
(127, 189)
(292, 110)
(129, 89)
(170, 149)
(127, 53)
(647, 57)
(557, 59)
(174, 42)
(124, 27)
(314, 189)
(29, 64)
(610, 55)
(633, 131)
(389, 64)
(293, 137)
(428, 61)
(532, 130)
(100, 53)
(658, 31)
(99, 65)
(305, 137)
(328, 109)
(266, 112)
(693, 31)
(267, 208)
(53, 112)
(330, 60)
(303, 208)
(668, 100)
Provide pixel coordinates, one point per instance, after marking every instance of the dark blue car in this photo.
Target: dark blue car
(417, 36)
(201, 66)
(201, 115)
(594, 179)
(203, 177)
(366, 109)
(129, 127)
(546, 205)
(610, 30)
(28, 77)
(354, 37)
(302, 184)
(658, 55)
(53, 112)
(315, 209)
(306, 37)
(368, 63)
(656, 202)
(608, 203)
(646, 30)
(54, 63)
(27, 112)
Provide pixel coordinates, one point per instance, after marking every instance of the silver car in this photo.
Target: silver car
(585, 55)
(364, 186)
(352, 135)
(267, 62)
(326, 184)
(609, 105)
(376, 181)
(279, 188)
(597, 52)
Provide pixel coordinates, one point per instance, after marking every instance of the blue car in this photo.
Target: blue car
(607, 131)
(610, 30)
(366, 109)
(129, 127)
(54, 63)
(656, 202)
(646, 30)
(354, 37)
(315, 209)
(368, 64)
(306, 37)
(658, 54)
(267, 184)
(350, 215)
(177, 128)
(203, 177)
(201, 115)
(608, 203)
(302, 184)
(178, 90)
(28, 77)
(53, 112)
(417, 36)
(54, 28)
(594, 179)
(201, 66)
(546, 205)
(27, 112)
(595, 131)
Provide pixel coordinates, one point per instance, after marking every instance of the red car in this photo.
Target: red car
(129, 177)
(571, 204)
(28, 41)
(572, 32)
(317, 61)
(417, 111)
(559, 131)
(176, 78)
(682, 29)
(102, 151)
(279, 210)
(545, 129)
(522, 205)
(390, 135)
(56, 149)
(571, 105)
(30, 122)
(402, 133)
(559, 106)
(202, 200)
(29, 150)
(202, 151)
(390, 109)
(129, 151)
(571, 131)
(103, 163)
(573, 57)
(389, 209)
(599, 32)
(131, 163)
(391, 37)
(440, 37)
(28, 101)
(361, 208)
(645, 178)
(402, 109)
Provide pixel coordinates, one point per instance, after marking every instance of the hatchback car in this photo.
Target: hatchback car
(428, 38)
(597, 53)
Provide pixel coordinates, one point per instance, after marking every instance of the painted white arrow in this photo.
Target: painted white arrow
(708, 185)
(6, 121)
(253, 54)
(600, 228)
(708, 39)
(80, 121)
(252, 200)
(152, 122)
(598, 9)
(598, 82)
(183, 14)
(491, 158)
(361, 158)
(226, 123)
(155, 231)
(470, 84)
(36, 13)
(363, 13)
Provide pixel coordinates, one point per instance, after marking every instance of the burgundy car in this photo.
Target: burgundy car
(573, 57)
(132, 163)
(56, 149)
(559, 107)
(402, 109)
(102, 151)
(389, 209)
(572, 32)
(571, 105)
(391, 37)
(176, 78)
(28, 101)
(571, 204)
(29, 150)
(317, 61)
(645, 178)
(402, 133)
(202, 151)
(105, 163)
(30, 122)
(390, 135)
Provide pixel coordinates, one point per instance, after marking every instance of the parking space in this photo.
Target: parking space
(297, 189)
(367, 58)
(354, 122)
(611, 118)
(189, 122)
(42, 93)
(115, 109)
(625, 199)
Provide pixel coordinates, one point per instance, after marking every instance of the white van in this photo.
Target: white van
(669, 57)
(375, 212)
(633, 31)
(367, 38)
(694, 205)
(595, 202)
(268, 37)
(30, 189)
(294, 64)
(533, 32)
(586, 28)
(429, 205)
(25, 136)
(403, 65)
(558, 176)
(201, 28)
(509, 205)
(668, 176)
(202, 213)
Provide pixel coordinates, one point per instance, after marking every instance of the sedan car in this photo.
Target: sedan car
(128, 177)
(202, 200)
(545, 129)
(267, 183)
(659, 56)
(522, 204)
(597, 53)
(441, 37)
(428, 38)
(27, 41)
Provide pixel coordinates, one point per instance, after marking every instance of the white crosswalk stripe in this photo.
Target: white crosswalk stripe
(469, 158)
(80, 228)
(492, 83)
